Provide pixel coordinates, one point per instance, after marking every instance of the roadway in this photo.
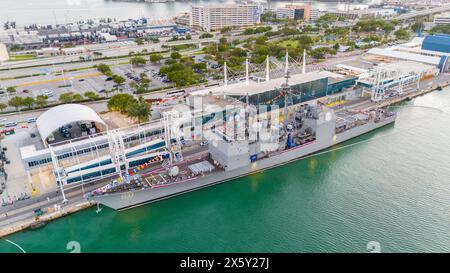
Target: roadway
(108, 52)
(424, 12)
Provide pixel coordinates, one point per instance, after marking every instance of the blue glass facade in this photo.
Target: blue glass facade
(91, 175)
(300, 92)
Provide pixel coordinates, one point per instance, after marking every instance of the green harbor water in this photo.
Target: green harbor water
(391, 186)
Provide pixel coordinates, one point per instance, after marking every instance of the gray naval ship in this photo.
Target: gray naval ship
(309, 130)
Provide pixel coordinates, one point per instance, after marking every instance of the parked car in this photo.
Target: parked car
(11, 124)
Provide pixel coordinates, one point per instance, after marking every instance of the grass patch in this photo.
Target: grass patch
(289, 43)
(21, 57)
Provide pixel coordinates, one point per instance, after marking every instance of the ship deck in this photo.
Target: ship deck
(161, 177)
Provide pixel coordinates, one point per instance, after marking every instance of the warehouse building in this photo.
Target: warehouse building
(438, 42)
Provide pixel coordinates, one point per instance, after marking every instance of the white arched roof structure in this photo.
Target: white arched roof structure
(61, 115)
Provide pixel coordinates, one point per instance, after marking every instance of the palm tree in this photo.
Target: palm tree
(3, 106)
(139, 110)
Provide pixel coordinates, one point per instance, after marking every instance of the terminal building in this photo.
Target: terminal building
(432, 50)
(305, 87)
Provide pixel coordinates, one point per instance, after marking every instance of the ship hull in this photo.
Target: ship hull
(131, 199)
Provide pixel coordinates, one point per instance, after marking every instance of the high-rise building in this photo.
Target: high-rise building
(314, 15)
(295, 12)
(215, 17)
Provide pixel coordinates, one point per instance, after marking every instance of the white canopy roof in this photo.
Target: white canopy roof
(405, 55)
(61, 115)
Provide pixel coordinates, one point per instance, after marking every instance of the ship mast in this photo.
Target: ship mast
(286, 89)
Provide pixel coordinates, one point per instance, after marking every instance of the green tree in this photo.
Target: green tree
(444, 29)
(175, 55)
(327, 18)
(141, 89)
(139, 110)
(417, 26)
(16, 102)
(104, 68)
(41, 100)
(138, 61)
(91, 95)
(132, 84)
(66, 97)
(3, 106)
(11, 89)
(15, 47)
(139, 41)
(156, 58)
(199, 66)
(117, 79)
(290, 31)
(170, 62)
(144, 79)
(206, 35)
(261, 40)
(183, 77)
(77, 97)
(28, 102)
(225, 30)
(402, 34)
(120, 102)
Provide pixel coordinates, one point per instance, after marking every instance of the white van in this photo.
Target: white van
(31, 120)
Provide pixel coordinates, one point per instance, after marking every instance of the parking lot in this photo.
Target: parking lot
(57, 82)
(80, 82)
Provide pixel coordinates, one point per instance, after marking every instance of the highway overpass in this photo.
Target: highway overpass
(424, 12)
